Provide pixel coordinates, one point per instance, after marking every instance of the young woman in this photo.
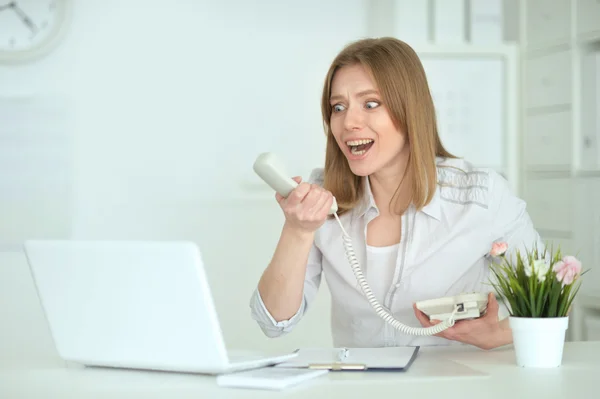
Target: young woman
(422, 221)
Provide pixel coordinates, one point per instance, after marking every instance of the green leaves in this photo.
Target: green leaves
(527, 290)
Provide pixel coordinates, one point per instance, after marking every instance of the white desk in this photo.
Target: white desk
(431, 375)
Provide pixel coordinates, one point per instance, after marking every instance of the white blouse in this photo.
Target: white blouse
(443, 251)
(379, 269)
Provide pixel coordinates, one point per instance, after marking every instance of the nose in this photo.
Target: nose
(354, 118)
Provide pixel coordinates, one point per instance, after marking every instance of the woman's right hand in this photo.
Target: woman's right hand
(306, 207)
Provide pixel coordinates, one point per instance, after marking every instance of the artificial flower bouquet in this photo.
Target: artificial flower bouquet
(540, 283)
(538, 286)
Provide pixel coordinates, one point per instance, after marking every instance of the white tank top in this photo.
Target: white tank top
(380, 270)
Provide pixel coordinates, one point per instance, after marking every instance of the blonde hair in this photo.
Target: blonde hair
(400, 78)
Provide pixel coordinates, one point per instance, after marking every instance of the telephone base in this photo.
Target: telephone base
(469, 314)
(470, 306)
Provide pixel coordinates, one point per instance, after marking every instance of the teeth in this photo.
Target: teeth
(354, 152)
(358, 142)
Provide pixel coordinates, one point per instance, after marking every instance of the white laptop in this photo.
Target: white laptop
(133, 304)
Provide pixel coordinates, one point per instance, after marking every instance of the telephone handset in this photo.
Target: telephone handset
(271, 170)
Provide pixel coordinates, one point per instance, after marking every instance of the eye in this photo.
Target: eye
(338, 108)
(372, 104)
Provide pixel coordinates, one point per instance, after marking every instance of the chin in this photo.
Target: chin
(360, 170)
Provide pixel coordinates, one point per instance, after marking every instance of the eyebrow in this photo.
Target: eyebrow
(360, 94)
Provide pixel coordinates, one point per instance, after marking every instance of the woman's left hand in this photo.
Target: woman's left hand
(485, 332)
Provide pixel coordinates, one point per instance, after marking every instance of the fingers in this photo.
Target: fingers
(422, 317)
(426, 322)
(306, 203)
(297, 195)
(323, 204)
(492, 308)
(279, 197)
(326, 207)
(312, 198)
(318, 203)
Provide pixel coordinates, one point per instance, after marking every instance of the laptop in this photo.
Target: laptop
(133, 304)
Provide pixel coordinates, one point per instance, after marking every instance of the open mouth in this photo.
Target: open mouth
(359, 147)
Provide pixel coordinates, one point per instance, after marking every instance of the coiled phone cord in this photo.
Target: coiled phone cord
(380, 310)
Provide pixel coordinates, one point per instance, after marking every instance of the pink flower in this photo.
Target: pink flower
(498, 249)
(567, 270)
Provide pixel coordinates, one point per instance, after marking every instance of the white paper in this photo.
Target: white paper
(268, 378)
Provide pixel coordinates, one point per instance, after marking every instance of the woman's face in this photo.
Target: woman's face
(362, 125)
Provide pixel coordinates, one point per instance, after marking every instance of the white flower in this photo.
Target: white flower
(540, 267)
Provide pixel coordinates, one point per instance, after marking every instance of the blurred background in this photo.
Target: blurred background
(141, 120)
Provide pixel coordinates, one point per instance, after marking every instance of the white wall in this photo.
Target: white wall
(168, 107)
(165, 107)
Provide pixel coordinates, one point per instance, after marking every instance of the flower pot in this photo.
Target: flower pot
(539, 342)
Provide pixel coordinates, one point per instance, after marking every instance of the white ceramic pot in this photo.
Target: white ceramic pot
(539, 342)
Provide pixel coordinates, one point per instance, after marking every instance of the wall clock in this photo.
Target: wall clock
(30, 29)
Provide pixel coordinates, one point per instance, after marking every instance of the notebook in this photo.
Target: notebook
(387, 358)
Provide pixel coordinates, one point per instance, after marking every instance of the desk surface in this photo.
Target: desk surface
(452, 372)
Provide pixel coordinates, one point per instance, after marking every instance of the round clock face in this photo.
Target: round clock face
(29, 27)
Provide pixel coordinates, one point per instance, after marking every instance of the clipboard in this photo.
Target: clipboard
(354, 359)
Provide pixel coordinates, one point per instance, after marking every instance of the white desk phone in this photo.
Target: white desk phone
(447, 310)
